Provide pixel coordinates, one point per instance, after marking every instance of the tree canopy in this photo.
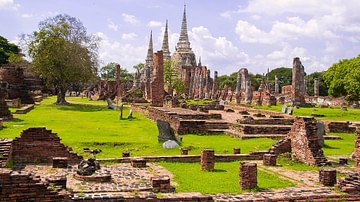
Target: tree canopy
(284, 75)
(108, 72)
(171, 78)
(343, 78)
(323, 90)
(63, 54)
(9, 52)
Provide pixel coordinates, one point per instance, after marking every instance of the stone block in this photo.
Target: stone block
(138, 163)
(327, 177)
(126, 154)
(184, 151)
(60, 162)
(161, 184)
(248, 175)
(269, 159)
(237, 150)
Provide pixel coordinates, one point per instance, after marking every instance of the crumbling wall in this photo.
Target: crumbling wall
(38, 145)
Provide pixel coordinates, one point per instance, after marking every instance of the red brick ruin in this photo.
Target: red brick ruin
(157, 84)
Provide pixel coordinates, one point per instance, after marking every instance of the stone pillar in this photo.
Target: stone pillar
(343, 161)
(201, 85)
(237, 150)
(207, 159)
(157, 84)
(316, 87)
(214, 88)
(238, 86)
(244, 78)
(207, 83)
(269, 159)
(184, 151)
(298, 84)
(148, 81)
(126, 154)
(138, 163)
(327, 176)
(192, 75)
(357, 151)
(277, 87)
(118, 82)
(248, 175)
(248, 93)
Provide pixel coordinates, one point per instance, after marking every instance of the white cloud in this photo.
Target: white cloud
(221, 53)
(126, 54)
(8, 4)
(26, 15)
(154, 24)
(111, 25)
(128, 36)
(249, 33)
(130, 19)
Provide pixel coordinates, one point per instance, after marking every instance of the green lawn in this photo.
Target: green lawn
(90, 124)
(331, 113)
(224, 179)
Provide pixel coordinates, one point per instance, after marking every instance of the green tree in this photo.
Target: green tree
(230, 81)
(63, 54)
(9, 53)
(323, 90)
(284, 75)
(171, 78)
(108, 71)
(343, 78)
(139, 67)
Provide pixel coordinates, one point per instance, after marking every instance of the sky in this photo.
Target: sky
(227, 35)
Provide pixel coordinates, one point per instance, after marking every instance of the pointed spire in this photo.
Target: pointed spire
(165, 45)
(149, 57)
(199, 62)
(183, 42)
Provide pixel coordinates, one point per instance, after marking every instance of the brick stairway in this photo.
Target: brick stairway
(5, 146)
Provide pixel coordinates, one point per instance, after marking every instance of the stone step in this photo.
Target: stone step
(215, 131)
(247, 136)
(261, 129)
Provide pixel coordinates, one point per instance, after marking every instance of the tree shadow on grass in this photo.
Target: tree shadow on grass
(330, 147)
(16, 120)
(219, 171)
(81, 107)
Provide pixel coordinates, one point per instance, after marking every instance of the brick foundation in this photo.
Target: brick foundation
(38, 145)
(343, 161)
(269, 159)
(357, 151)
(161, 184)
(21, 186)
(60, 162)
(248, 175)
(138, 163)
(207, 159)
(327, 177)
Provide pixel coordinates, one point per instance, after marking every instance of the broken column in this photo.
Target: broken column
(305, 142)
(191, 85)
(316, 87)
(214, 88)
(118, 82)
(201, 85)
(276, 85)
(327, 176)
(207, 159)
(238, 86)
(147, 82)
(248, 175)
(298, 84)
(244, 78)
(157, 84)
(248, 93)
(269, 159)
(207, 84)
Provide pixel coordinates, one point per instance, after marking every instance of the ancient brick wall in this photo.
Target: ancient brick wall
(286, 89)
(157, 83)
(20, 186)
(357, 151)
(298, 85)
(305, 141)
(285, 121)
(281, 146)
(38, 145)
(339, 127)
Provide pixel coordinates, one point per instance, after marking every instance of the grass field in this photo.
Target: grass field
(90, 124)
(331, 113)
(224, 179)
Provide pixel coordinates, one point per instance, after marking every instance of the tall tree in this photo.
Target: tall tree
(284, 75)
(63, 54)
(139, 67)
(343, 78)
(171, 78)
(108, 71)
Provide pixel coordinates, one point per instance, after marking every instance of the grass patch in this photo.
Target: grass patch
(331, 113)
(224, 179)
(90, 124)
(343, 147)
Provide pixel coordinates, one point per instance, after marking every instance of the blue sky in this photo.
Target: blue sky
(227, 34)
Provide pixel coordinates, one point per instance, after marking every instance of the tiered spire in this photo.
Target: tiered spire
(149, 57)
(165, 45)
(184, 38)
